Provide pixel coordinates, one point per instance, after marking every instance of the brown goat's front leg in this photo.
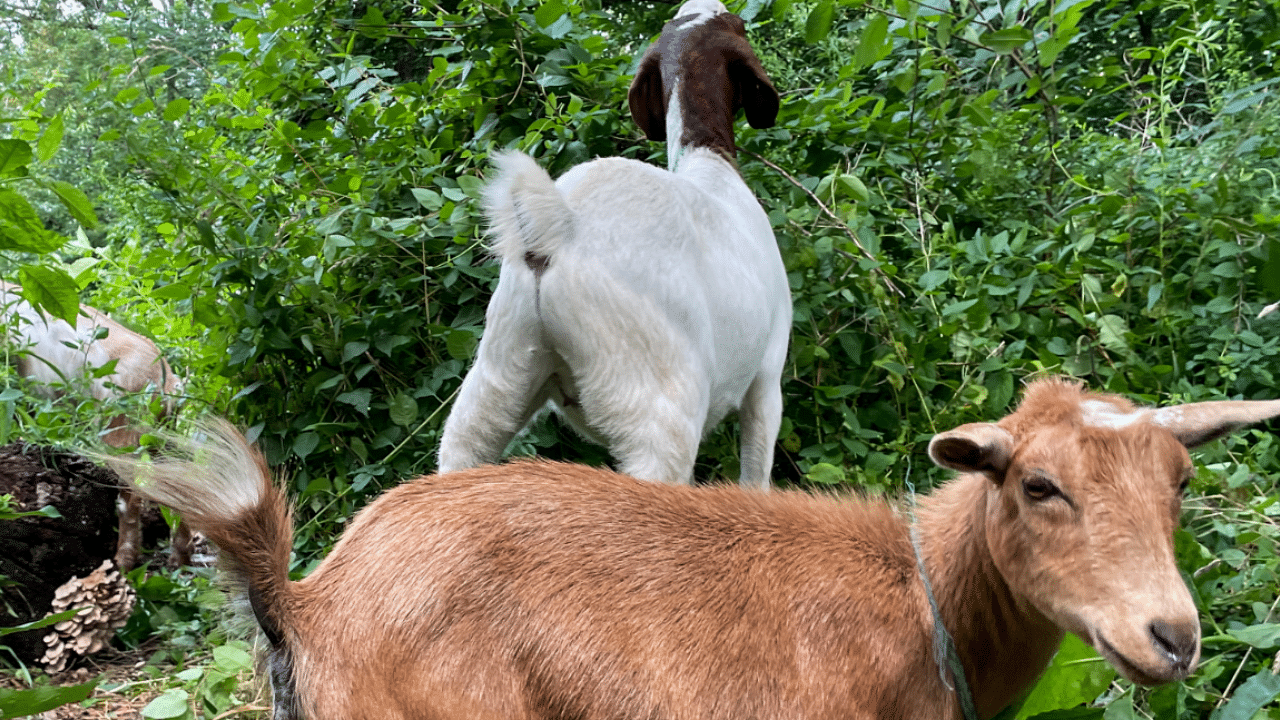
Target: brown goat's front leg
(129, 544)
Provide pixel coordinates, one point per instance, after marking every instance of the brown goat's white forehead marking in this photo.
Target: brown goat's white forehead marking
(1170, 417)
(1102, 414)
(706, 9)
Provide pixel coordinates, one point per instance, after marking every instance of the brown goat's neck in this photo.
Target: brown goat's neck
(1003, 642)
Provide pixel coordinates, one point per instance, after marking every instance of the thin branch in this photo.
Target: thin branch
(843, 225)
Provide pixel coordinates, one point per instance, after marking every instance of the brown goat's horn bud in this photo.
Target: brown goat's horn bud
(1199, 423)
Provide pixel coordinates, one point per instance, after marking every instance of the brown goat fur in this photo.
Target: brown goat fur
(58, 356)
(540, 590)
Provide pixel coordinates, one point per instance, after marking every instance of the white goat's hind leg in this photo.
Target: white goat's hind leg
(758, 422)
(504, 388)
(507, 383)
(659, 446)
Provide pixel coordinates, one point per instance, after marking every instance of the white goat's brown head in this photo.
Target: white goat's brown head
(694, 78)
(1085, 494)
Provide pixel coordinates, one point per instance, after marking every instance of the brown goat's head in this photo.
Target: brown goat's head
(1085, 494)
(704, 53)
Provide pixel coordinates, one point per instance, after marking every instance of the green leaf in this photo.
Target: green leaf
(1077, 675)
(305, 443)
(353, 349)
(1269, 276)
(874, 43)
(42, 622)
(173, 291)
(359, 399)
(933, 279)
(176, 108)
(50, 140)
(549, 12)
(818, 25)
(999, 385)
(461, 344)
(403, 409)
(14, 155)
(1121, 708)
(1111, 333)
(21, 228)
(232, 659)
(23, 703)
(852, 186)
(825, 474)
(51, 289)
(780, 8)
(76, 202)
(1253, 695)
(429, 199)
(1007, 40)
(48, 511)
(171, 703)
(1263, 636)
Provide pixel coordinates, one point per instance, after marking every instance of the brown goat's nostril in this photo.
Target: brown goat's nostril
(1179, 641)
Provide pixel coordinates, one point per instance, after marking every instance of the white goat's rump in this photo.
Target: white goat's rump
(645, 305)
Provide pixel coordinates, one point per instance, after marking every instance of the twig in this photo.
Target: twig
(843, 225)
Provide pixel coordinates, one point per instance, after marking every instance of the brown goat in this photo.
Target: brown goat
(544, 590)
(59, 357)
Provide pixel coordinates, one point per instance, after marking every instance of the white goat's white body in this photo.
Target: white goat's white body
(656, 303)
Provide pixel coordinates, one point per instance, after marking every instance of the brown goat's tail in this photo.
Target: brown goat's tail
(220, 486)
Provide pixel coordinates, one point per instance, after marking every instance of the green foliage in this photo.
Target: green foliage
(966, 194)
(47, 286)
(1077, 675)
(213, 687)
(24, 703)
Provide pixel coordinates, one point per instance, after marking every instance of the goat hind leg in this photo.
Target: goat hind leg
(655, 432)
(504, 388)
(758, 423)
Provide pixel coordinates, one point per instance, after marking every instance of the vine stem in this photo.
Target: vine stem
(843, 225)
(1235, 676)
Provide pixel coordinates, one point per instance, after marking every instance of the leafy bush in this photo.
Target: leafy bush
(966, 194)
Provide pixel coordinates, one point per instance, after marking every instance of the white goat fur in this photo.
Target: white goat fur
(644, 304)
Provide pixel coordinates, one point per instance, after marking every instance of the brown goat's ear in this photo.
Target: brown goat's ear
(975, 447)
(1198, 423)
(647, 98)
(758, 96)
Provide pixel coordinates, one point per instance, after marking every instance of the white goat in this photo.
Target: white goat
(644, 304)
(59, 358)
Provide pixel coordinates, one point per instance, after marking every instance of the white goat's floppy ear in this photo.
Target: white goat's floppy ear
(751, 83)
(646, 96)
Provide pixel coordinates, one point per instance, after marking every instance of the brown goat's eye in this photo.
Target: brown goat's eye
(1182, 486)
(1039, 488)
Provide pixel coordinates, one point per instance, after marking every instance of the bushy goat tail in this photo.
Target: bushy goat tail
(220, 486)
(527, 215)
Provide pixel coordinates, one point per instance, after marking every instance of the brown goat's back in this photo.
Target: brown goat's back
(533, 590)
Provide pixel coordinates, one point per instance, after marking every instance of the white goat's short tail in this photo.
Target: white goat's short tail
(527, 215)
